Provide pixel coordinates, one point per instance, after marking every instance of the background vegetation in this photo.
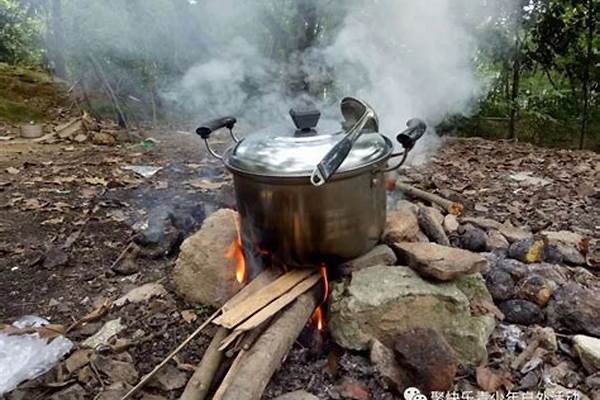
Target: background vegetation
(541, 60)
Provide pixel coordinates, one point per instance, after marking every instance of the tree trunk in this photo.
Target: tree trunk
(586, 74)
(516, 78)
(57, 40)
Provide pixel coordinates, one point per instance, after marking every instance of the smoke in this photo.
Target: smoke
(407, 58)
(255, 59)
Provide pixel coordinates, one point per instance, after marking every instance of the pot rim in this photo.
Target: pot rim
(287, 177)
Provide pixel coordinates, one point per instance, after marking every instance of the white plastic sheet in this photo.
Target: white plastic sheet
(28, 356)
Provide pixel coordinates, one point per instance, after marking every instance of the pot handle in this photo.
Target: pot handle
(206, 129)
(416, 128)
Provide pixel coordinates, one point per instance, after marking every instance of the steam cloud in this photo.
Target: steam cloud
(407, 58)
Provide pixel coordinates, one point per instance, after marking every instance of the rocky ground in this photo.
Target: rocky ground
(69, 213)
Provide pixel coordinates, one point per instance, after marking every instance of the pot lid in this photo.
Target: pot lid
(297, 153)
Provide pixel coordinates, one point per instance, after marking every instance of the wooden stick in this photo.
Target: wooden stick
(450, 206)
(260, 299)
(431, 227)
(235, 366)
(109, 89)
(164, 362)
(260, 362)
(199, 384)
(277, 305)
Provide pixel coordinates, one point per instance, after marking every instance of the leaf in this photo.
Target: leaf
(53, 221)
(491, 380)
(94, 180)
(101, 309)
(12, 170)
(189, 316)
(33, 204)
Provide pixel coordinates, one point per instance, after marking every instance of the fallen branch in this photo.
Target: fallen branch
(450, 206)
(257, 365)
(198, 386)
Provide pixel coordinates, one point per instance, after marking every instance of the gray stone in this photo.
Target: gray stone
(439, 262)
(521, 312)
(297, 395)
(380, 255)
(588, 349)
(430, 221)
(450, 223)
(500, 284)
(169, 378)
(381, 302)
(202, 273)
(496, 241)
(575, 309)
(472, 238)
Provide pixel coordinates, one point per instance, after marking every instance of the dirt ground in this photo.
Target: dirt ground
(67, 211)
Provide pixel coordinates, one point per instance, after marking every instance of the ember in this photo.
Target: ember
(236, 252)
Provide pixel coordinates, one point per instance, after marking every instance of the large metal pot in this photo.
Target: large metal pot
(300, 223)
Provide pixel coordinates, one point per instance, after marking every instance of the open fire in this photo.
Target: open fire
(236, 253)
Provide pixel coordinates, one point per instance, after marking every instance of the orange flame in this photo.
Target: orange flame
(317, 317)
(235, 252)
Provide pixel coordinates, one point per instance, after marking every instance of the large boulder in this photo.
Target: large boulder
(203, 273)
(574, 308)
(382, 302)
(432, 260)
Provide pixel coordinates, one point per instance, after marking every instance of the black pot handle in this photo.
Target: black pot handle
(408, 137)
(209, 127)
(206, 129)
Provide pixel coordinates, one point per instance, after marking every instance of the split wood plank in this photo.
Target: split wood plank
(243, 310)
(265, 278)
(228, 379)
(271, 309)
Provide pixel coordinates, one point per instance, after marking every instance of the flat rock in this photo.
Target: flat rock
(202, 273)
(401, 224)
(521, 312)
(297, 395)
(588, 349)
(103, 139)
(574, 308)
(428, 358)
(439, 262)
(382, 302)
(513, 233)
(566, 237)
(380, 255)
(141, 294)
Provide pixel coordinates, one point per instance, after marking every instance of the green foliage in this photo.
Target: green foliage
(19, 34)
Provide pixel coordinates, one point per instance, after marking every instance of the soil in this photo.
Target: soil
(51, 195)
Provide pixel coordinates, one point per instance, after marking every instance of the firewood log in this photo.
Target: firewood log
(259, 363)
